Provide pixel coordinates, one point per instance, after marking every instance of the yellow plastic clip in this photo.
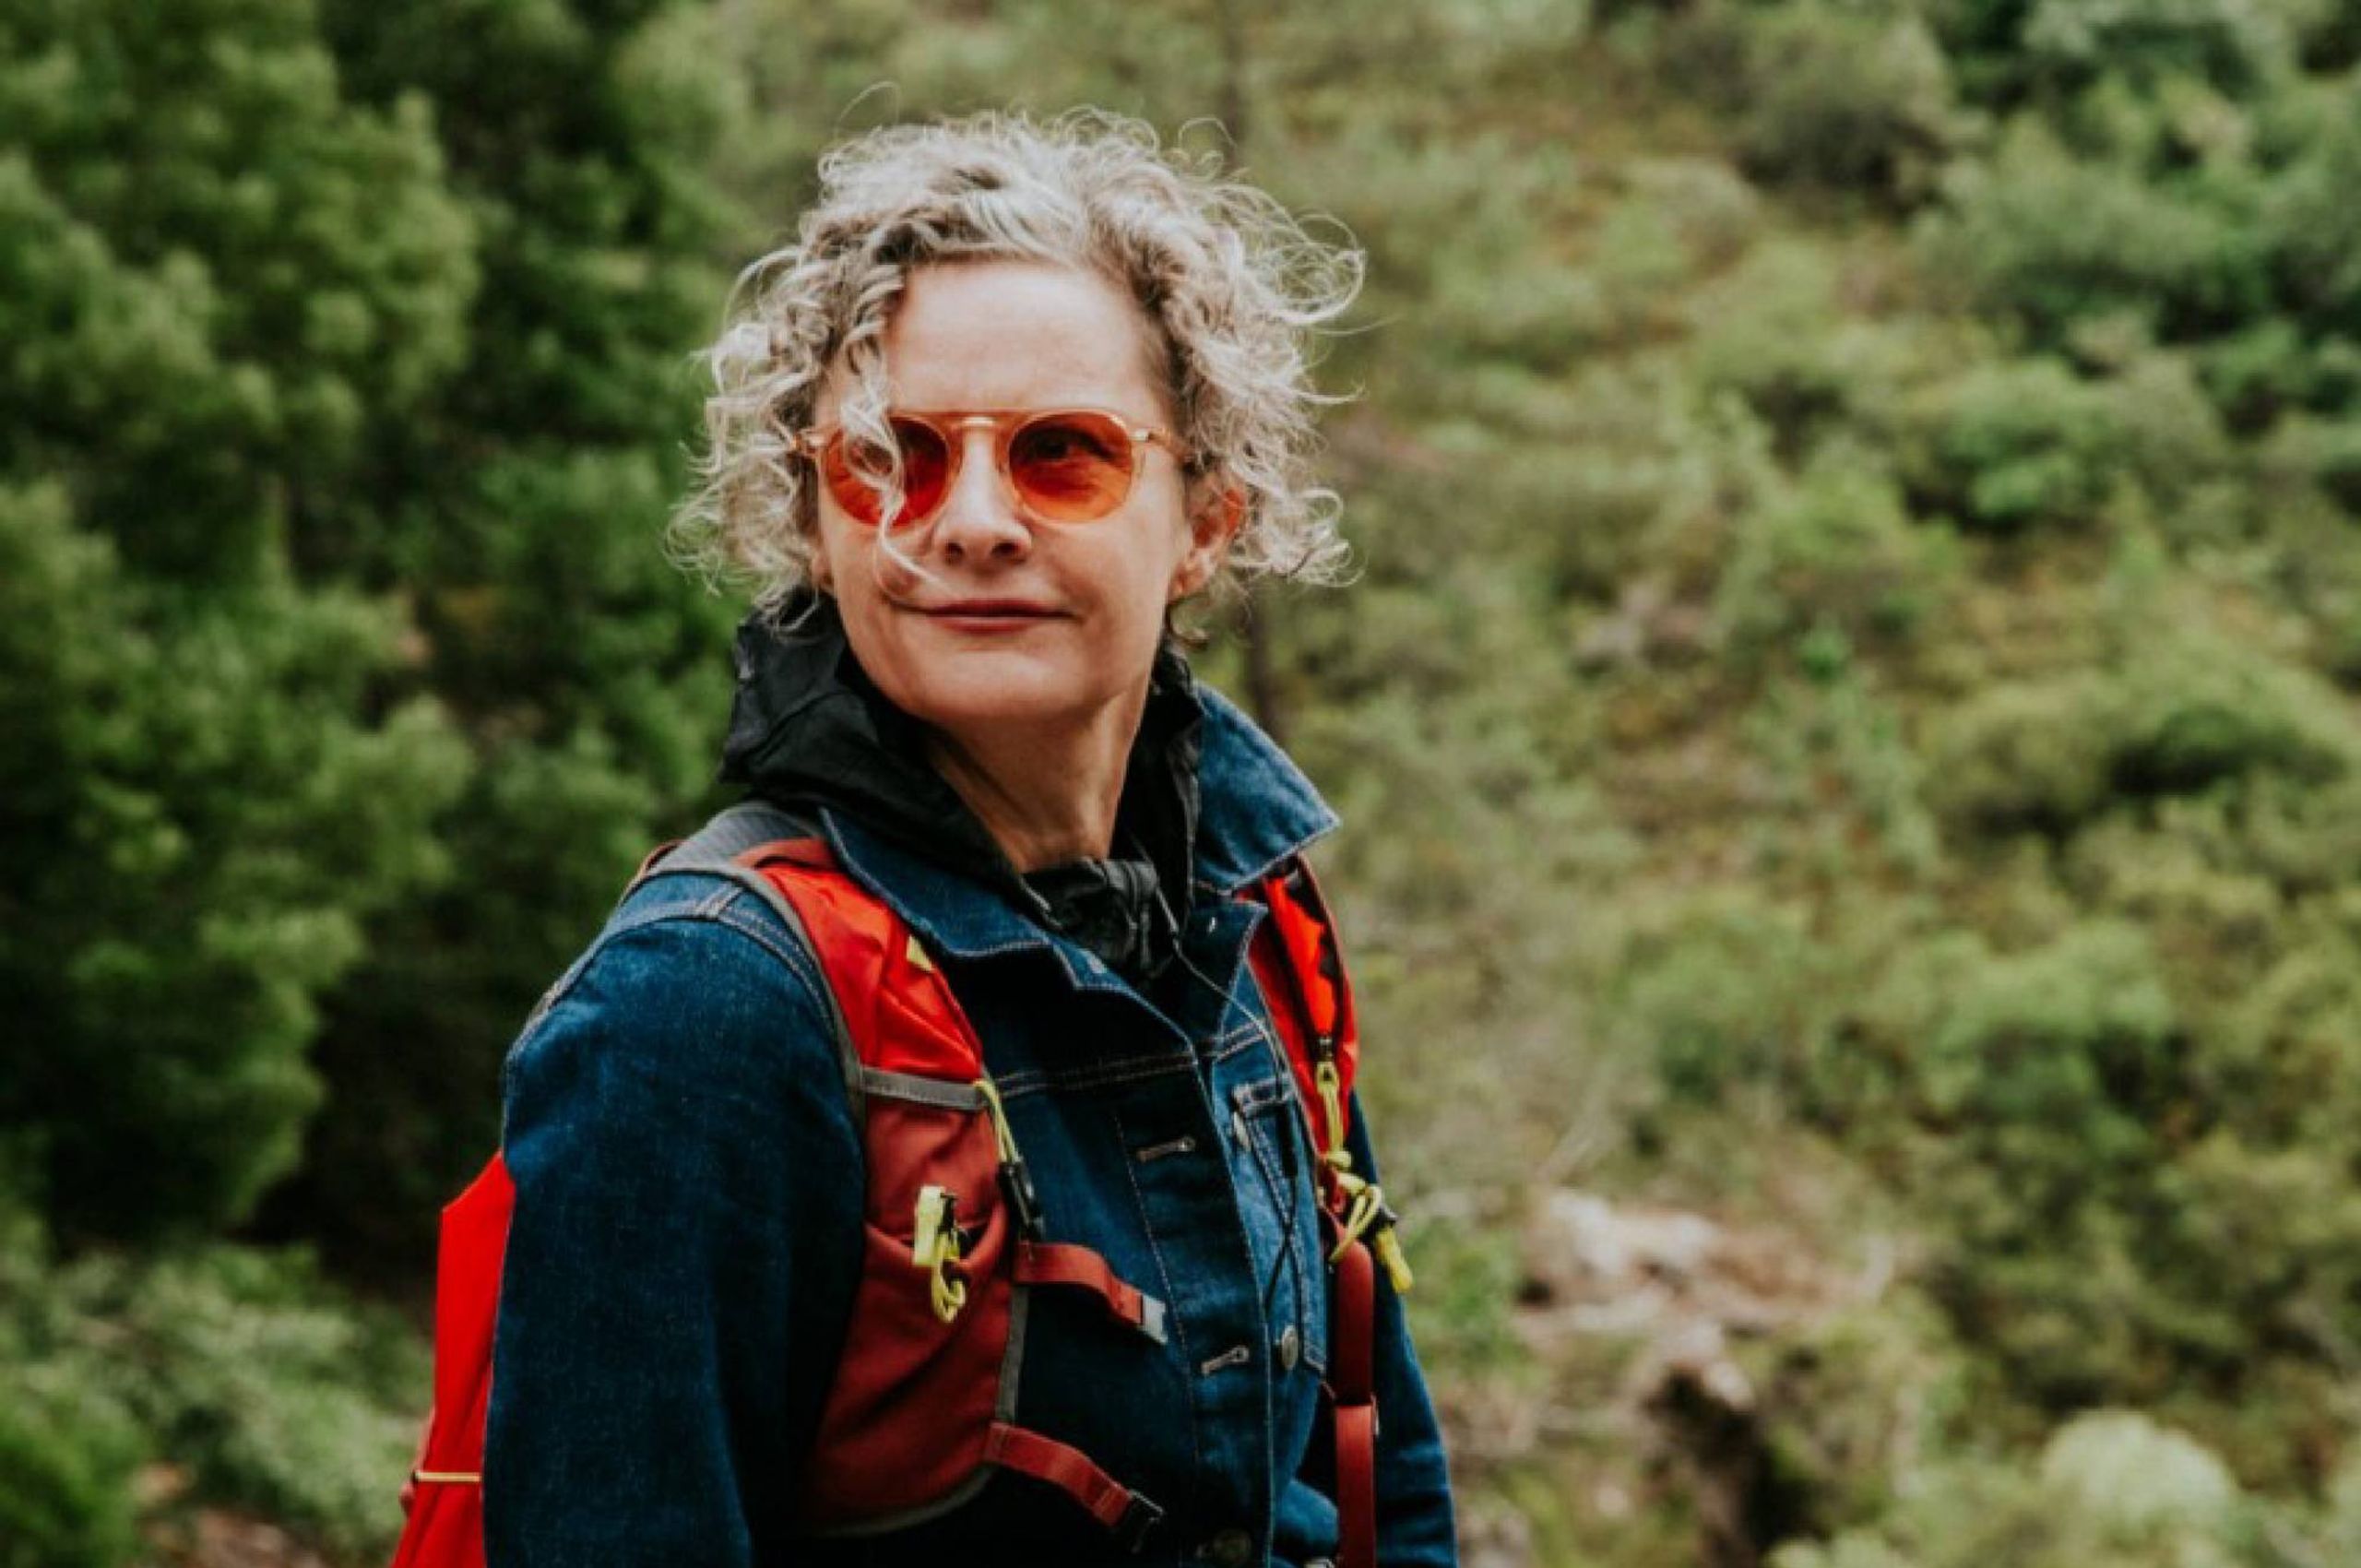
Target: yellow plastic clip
(934, 1246)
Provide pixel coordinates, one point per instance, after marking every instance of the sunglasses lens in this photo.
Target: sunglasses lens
(926, 469)
(1071, 468)
(853, 469)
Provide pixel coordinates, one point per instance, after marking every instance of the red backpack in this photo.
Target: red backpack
(913, 1422)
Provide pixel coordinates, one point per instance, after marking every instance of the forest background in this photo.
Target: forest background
(1849, 722)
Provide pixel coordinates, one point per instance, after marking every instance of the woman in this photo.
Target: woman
(1013, 394)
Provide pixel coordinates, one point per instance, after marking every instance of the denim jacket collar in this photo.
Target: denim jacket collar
(1256, 809)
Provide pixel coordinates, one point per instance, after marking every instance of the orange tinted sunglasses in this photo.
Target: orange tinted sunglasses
(1060, 464)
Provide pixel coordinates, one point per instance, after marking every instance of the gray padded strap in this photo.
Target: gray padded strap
(713, 851)
(733, 832)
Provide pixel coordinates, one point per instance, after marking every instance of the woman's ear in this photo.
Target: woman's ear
(1217, 521)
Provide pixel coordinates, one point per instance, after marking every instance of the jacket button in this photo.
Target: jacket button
(1231, 1549)
(1290, 1347)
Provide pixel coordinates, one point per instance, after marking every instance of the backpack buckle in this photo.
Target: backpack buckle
(1140, 1516)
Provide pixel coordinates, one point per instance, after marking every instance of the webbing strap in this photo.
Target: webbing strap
(732, 832)
(1055, 1263)
(1352, 1339)
(1357, 1486)
(1113, 1504)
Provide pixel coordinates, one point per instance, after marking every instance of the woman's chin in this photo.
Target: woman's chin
(998, 694)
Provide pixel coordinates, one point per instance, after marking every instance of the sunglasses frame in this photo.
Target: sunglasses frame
(951, 425)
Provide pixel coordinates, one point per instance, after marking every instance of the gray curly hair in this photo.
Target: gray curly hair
(1231, 281)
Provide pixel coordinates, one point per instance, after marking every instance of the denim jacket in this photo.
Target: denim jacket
(687, 1230)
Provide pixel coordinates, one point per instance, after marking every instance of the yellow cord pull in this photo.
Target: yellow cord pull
(1331, 1085)
(1363, 1202)
(999, 1113)
(1391, 1257)
(934, 1246)
(1015, 1181)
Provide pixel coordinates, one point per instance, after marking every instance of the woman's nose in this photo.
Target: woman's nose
(978, 517)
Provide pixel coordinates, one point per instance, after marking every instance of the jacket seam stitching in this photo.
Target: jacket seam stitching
(1173, 1316)
(727, 916)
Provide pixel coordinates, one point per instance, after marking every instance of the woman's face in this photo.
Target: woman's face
(1019, 624)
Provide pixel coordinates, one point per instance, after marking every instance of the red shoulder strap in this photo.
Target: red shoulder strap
(898, 1007)
(1302, 970)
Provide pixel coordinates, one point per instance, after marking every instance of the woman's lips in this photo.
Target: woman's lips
(989, 614)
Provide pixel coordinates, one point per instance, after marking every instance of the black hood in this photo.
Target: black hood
(809, 732)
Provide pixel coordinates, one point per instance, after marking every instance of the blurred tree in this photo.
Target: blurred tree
(521, 510)
(219, 277)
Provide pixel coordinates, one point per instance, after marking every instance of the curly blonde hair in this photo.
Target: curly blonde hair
(1230, 279)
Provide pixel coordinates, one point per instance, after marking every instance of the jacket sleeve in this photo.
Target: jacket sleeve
(1415, 1527)
(682, 1252)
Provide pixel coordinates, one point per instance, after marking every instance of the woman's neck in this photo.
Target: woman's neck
(1045, 798)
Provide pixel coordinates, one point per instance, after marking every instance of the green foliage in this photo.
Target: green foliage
(523, 515)
(64, 1487)
(2026, 443)
(288, 1401)
(1848, 100)
(1837, 552)
(1727, 994)
(2111, 1486)
(226, 277)
(221, 277)
(1776, 331)
(2188, 713)
(67, 1461)
(2027, 753)
(2009, 49)
(2054, 240)
(1847, 1401)
(265, 1389)
(179, 769)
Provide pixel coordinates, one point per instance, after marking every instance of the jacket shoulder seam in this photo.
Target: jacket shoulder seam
(728, 907)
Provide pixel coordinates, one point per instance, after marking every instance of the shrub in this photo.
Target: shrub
(2027, 443)
(66, 1474)
(67, 1451)
(2111, 1486)
(1847, 102)
(1778, 329)
(2025, 754)
(1837, 549)
(2050, 239)
(2235, 46)
(273, 1392)
(2008, 50)
(2181, 715)
(2318, 452)
(2015, 446)
(1729, 996)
